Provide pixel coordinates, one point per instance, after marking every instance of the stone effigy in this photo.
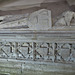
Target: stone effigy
(38, 20)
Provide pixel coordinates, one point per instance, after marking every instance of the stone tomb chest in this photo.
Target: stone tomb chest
(32, 36)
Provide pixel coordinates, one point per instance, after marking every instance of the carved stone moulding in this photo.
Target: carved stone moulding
(38, 51)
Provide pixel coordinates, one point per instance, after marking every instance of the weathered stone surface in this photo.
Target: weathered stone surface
(42, 52)
(61, 22)
(65, 19)
(23, 67)
(68, 17)
(65, 54)
(38, 20)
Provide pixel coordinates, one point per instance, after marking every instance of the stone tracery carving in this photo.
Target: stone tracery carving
(43, 51)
